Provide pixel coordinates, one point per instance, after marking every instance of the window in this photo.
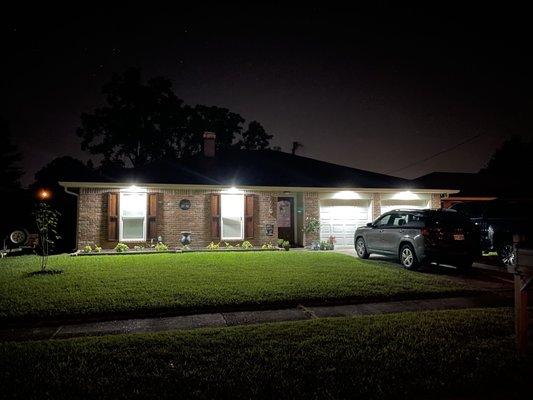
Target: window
(133, 216)
(399, 219)
(232, 216)
(383, 220)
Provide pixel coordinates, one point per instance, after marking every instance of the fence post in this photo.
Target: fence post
(522, 279)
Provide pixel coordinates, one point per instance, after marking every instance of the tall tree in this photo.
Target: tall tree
(10, 172)
(226, 124)
(513, 158)
(255, 137)
(141, 122)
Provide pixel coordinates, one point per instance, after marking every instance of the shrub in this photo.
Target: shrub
(267, 246)
(121, 247)
(312, 225)
(161, 247)
(213, 246)
(97, 249)
(87, 249)
(326, 245)
(280, 242)
(137, 247)
(286, 245)
(228, 245)
(246, 245)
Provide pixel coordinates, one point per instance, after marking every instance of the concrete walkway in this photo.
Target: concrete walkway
(184, 322)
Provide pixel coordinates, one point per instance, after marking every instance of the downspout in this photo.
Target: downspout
(77, 211)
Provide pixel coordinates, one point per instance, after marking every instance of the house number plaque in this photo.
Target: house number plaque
(185, 204)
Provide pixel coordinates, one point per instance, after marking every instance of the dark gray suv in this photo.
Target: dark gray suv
(420, 237)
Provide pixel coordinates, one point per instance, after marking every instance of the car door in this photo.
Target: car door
(373, 236)
(393, 232)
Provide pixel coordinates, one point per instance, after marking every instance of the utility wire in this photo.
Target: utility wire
(471, 139)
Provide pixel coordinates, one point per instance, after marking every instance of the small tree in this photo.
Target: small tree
(46, 220)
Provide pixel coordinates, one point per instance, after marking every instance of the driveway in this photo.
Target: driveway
(483, 275)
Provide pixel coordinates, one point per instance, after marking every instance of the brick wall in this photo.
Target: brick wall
(376, 205)
(435, 201)
(311, 210)
(171, 219)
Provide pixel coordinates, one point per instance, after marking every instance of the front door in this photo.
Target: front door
(285, 219)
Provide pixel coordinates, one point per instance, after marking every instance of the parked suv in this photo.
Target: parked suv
(419, 237)
(498, 221)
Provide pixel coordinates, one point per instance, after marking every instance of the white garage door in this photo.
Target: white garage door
(340, 218)
(389, 205)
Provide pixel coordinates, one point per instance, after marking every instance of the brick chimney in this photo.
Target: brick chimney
(209, 144)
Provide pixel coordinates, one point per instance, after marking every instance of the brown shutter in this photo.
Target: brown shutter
(249, 216)
(151, 223)
(215, 216)
(112, 216)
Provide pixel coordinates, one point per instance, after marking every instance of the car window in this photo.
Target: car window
(383, 220)
(416, 218)
(399, 219)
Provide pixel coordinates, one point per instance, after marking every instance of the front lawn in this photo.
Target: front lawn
(135, 284)
(435, 355)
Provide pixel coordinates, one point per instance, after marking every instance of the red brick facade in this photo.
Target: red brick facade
(171, 220)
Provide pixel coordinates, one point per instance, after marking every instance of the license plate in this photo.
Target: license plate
(458, 237)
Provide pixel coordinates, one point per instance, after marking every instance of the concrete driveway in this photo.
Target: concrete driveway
(482, 275)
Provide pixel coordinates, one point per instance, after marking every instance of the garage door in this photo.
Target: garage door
(340, 218)
(389, 205)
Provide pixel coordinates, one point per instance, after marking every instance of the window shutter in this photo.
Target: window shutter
(151, 214)
(112, 216)
(249, 216)
(215, 216)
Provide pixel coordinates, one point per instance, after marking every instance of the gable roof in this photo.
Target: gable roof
(256, 168)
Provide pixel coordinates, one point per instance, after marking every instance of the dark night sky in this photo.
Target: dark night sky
(370, 88)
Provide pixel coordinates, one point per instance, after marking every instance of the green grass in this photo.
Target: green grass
(424, 355)
(200, 281)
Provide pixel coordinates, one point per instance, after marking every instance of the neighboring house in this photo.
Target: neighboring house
(233, 196)
(473, 186)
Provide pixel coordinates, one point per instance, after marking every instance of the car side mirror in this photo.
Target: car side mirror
(370, 224)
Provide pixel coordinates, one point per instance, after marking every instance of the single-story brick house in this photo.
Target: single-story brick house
(233, 196)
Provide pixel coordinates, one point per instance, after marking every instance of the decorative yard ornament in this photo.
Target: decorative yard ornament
(185, 204)
(185, 238)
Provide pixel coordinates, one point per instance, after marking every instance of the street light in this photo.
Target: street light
(43, 194)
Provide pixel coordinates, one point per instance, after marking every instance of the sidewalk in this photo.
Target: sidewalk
(146, 325)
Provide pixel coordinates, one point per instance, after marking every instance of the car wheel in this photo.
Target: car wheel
(408, 257)
(360, 248)
(506, 254)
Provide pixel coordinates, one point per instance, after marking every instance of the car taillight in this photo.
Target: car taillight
(424, 232)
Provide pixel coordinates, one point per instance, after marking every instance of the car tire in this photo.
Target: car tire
(408, 257)
(360, 248)
(506, 254)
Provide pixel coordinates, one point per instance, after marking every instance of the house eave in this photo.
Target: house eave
(114, 185)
